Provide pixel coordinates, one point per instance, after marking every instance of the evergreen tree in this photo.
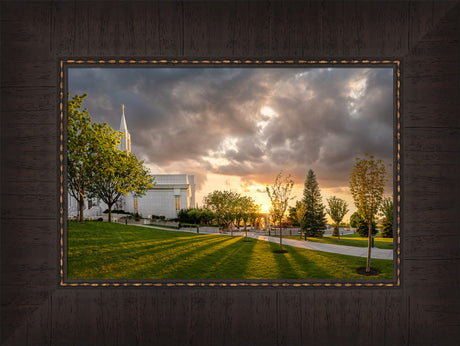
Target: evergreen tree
(314, 222)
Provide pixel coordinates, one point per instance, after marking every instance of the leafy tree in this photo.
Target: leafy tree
(337, 210)
(298, 214)
(279, 194)
(314, 222)
(87, 144)
(354, 219)
(119, 174)
(386, 210)
(367, 185)
(206, 216)
(223, 205)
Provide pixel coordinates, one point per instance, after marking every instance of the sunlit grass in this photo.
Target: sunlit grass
(99, 250)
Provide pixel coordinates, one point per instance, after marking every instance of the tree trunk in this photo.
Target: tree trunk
(110, 212)
(81, 205)
(338, 232)
(369, 243)
(281, 238)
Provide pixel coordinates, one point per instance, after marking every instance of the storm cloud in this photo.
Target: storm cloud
(247, 122)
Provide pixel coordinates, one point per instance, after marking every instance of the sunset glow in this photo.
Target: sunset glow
(237, 128)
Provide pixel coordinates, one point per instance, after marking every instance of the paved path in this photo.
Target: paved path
(340, 249)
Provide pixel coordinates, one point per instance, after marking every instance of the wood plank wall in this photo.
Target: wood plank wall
(36, 311)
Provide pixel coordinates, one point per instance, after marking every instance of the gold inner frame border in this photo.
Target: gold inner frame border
(396, 63)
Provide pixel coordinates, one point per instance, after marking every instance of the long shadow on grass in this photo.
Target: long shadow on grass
(195, 265)
(130, 249)
(161, 262)
(230, 266)
(113, 260)
(311, 268)
(322, 265)
(285, 267)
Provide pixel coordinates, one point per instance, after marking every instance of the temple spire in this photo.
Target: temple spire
(126, 140)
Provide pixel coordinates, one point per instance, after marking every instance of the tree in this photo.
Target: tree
(299, 213)
(354, 219)
(367, 185)
(119, 174)
(314, 222)
(223, 205)
(87, 144)
(386, 210)
(337, 210)
(254, 214)
(279, 194)
(244, 207)
(362, 228)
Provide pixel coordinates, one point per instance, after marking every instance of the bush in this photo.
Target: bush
(363, 228)
(100, 219)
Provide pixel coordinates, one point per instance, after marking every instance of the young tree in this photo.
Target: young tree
(300, 212)
(367, 185)
(279, 194)
(337, 210)
(386, 210)
(314, 222)
(119, 174)
(87, 144)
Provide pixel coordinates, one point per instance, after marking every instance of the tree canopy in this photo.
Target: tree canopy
(87, 144)
(223, 204)
(119, 174)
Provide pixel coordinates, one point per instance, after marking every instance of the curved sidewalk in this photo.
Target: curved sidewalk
(340, 249)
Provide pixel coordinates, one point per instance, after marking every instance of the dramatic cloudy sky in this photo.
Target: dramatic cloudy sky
(236, 128)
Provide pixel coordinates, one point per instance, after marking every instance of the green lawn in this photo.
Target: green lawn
(349, 240)
(99, 250)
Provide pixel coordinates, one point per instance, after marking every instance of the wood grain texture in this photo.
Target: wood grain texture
(36, 311)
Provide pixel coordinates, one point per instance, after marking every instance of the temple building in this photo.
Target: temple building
(170, 194)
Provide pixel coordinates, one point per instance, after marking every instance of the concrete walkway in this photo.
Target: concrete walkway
(339, 249)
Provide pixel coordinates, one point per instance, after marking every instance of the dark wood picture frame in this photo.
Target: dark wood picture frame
(394, 64)
(36, 310)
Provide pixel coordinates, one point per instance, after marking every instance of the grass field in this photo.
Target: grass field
(349, 240)
(99, 250)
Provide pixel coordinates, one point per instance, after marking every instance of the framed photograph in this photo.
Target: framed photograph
(62, 286)
(217, 138)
